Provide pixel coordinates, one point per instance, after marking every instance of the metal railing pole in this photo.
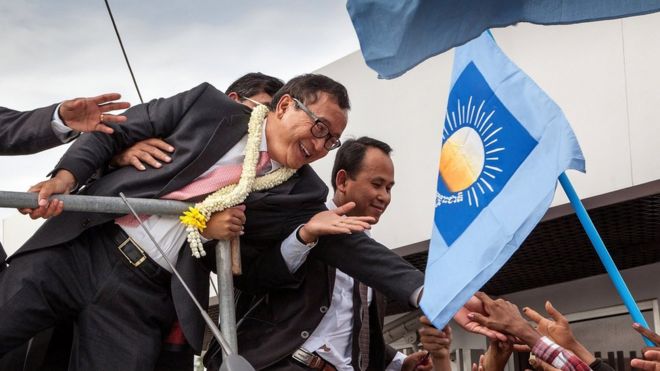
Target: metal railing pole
(227, 311)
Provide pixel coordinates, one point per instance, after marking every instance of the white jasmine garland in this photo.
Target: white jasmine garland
(196, 217)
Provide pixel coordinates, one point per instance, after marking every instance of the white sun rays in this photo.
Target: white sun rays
(480, 121)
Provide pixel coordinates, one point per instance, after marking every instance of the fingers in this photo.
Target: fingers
(345, 208)
(483, 297)
(652, 355)
(655, 338)
(160, 144)
(113, 118)
(643, 365)
(104, 128)
(104, 98)
(533, 315)
(136, 163)
(425, 321)
(555, 314)
(113, 106)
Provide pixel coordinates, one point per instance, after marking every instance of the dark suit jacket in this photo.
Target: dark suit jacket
(203, 124)
(285, 319)
(22, 133)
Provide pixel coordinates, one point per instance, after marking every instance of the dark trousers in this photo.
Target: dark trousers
(120, 314)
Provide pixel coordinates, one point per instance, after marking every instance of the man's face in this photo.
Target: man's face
(289, 135)
(372, 186)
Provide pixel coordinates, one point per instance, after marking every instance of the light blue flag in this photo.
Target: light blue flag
(504, 144)
(396, 35)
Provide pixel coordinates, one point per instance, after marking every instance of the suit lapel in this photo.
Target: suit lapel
(227, 133)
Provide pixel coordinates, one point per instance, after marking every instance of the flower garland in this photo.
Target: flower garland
(196, 217)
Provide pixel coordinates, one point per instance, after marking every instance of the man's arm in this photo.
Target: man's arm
(22, 133)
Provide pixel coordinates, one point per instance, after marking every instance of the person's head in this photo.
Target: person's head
(363, 173)
(306, 120)
(254, 87)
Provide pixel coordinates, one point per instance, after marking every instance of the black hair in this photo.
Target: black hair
(254, 83)
(306, 89)
(351, 154)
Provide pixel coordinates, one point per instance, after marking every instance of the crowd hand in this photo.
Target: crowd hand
(89, 114)
(437, 342)
(559, 330)
(334, 222)
(655, 338)
(651, 361)
(225, 224)
(62, 183)
(417, 361)
(505, 317)
(540, 365)
(475, 305)
(149, 151)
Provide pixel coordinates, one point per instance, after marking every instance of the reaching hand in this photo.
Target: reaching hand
(505, 317)
(497, 355)
(61, 183)
(438, 342)
(559, 330)
(225, 224)
(334, 222)
(651, 361)
(476, 305)
(88, 114)
(417, 361)
(149, 151)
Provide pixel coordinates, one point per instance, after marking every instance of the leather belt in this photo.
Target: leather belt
(134, 255)
(312, 360)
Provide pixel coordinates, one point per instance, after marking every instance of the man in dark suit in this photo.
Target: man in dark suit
(22, 133)
(329, 321)
(84, 266)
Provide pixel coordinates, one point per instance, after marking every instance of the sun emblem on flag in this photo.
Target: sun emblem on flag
(470, 152)
(483, 145)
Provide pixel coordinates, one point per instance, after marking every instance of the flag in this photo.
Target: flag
(504, 144)
(395, 36)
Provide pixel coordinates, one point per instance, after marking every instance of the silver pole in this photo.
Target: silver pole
(96, 204)
(227, 316)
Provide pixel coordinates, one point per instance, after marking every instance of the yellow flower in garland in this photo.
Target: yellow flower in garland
(194, 218)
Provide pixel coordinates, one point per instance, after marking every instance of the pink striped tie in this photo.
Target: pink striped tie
(208, 183)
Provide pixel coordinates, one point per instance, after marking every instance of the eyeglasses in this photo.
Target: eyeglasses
(320, 129)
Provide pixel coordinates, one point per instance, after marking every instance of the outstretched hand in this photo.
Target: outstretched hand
(62, 183)
(651, 361)
(334, 222)
(89, 114)
(475, 305)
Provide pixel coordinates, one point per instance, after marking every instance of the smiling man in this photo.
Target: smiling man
(329, 321)
(109, 277)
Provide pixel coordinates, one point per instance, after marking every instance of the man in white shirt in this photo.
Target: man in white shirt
(326, 331)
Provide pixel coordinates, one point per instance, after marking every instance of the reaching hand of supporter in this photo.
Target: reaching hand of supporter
(62, 183)
(149, 151)
(417, 361)
(651, 361)
(559, 330)
(334, 222)
(496, 356)
(655, 338)
(438, 342)
(475, 305)
(225, 224)
(504, 316)
(88, 114)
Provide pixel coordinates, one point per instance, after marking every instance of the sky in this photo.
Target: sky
(56, 50)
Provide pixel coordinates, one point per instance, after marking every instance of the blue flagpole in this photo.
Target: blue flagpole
(603, 254)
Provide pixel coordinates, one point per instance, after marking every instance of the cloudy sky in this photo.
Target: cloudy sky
(54, 50)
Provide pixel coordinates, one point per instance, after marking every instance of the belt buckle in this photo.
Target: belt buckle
(302, 356)
(134, 263)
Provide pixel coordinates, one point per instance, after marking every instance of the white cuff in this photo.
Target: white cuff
(397, 362)
(294, 252)
(62, 132)
(415, 296)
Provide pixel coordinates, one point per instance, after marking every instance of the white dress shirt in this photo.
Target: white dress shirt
(167, 230)
(332, 338)
(62, 132)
